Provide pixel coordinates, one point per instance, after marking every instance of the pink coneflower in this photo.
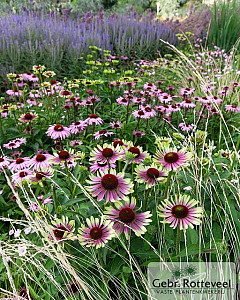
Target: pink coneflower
(42, 175)
(123, 101)
(19, 164)
(41, 161)
(120, 143)
(110, 186)
(94, 119)
(232, 108)
(21, 176)
(171, 158)
(102, 133)
(180, 212)
(75, 143)
(20, 141)
(77, 127)
(33, 207)
(140, 114)
(97, 234)
(58, 131)
(187, 103)
(138, 133)
(186, 127)
(32, 102)
(62, 229)
(186, 91)
(116, 125)
(150, 175)
(44, 200)
(106, 153)
(165, 98)
(14, 92)
(149, 112)
(4, 162)
(71, 164)
(28, 118)
(149, 86)
(125, 218)
(11, 145)
(99, 165)
(65, 93)
(62, 156)
(139, 154)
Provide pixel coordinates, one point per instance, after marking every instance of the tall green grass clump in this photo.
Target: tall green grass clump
(225, 24)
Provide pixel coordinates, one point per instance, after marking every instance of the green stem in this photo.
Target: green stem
(167, 185)
(234, 157)
(178, 238)
(68, 176)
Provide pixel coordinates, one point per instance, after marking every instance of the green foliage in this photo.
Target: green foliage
(225, 26)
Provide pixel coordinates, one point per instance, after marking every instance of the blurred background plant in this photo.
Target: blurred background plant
(225, 24)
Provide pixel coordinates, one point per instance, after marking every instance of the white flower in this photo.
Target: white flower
(27, 230)
(187, 188)
(22, 250)
(11, 232)
(17, 233)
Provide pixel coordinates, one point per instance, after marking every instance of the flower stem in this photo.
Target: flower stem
(167, 184)
(178, 238)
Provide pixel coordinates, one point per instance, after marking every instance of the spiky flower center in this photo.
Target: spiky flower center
(63, 155)
(148, 109)
(118, 142)
(40, 157)
(135, 150)
(22, 174)
(28, 116)
(93, 116)
(58, 127)
(77, 123)
(103, 131)
(12, 144)
(107, 152)
(153, 173)
(109, 181)
(66, 93)
(59, 232)
(141, 113)
(96, 233)
(1, 159)
(19, 161)
(39, 175)
(180, 211)
(126, 215)
(171, 157)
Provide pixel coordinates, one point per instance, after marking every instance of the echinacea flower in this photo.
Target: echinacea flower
(19, 164)
(150, 175)
(28, 118)
(103, 166)
(110, 186)
(232, 108)
(62, 229)
(116, 125)
(106, 153)
(4, 162)
(97, 233)
(21, 176)
(94, 119)
(171, 158)
(62, 156)
(186, 127)
(126, 217)
(58, 131)
(137, 154)
(41, 161)
(42, 175)
(78, 127)
(102, 133)
(11, 145)
(180, 212)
